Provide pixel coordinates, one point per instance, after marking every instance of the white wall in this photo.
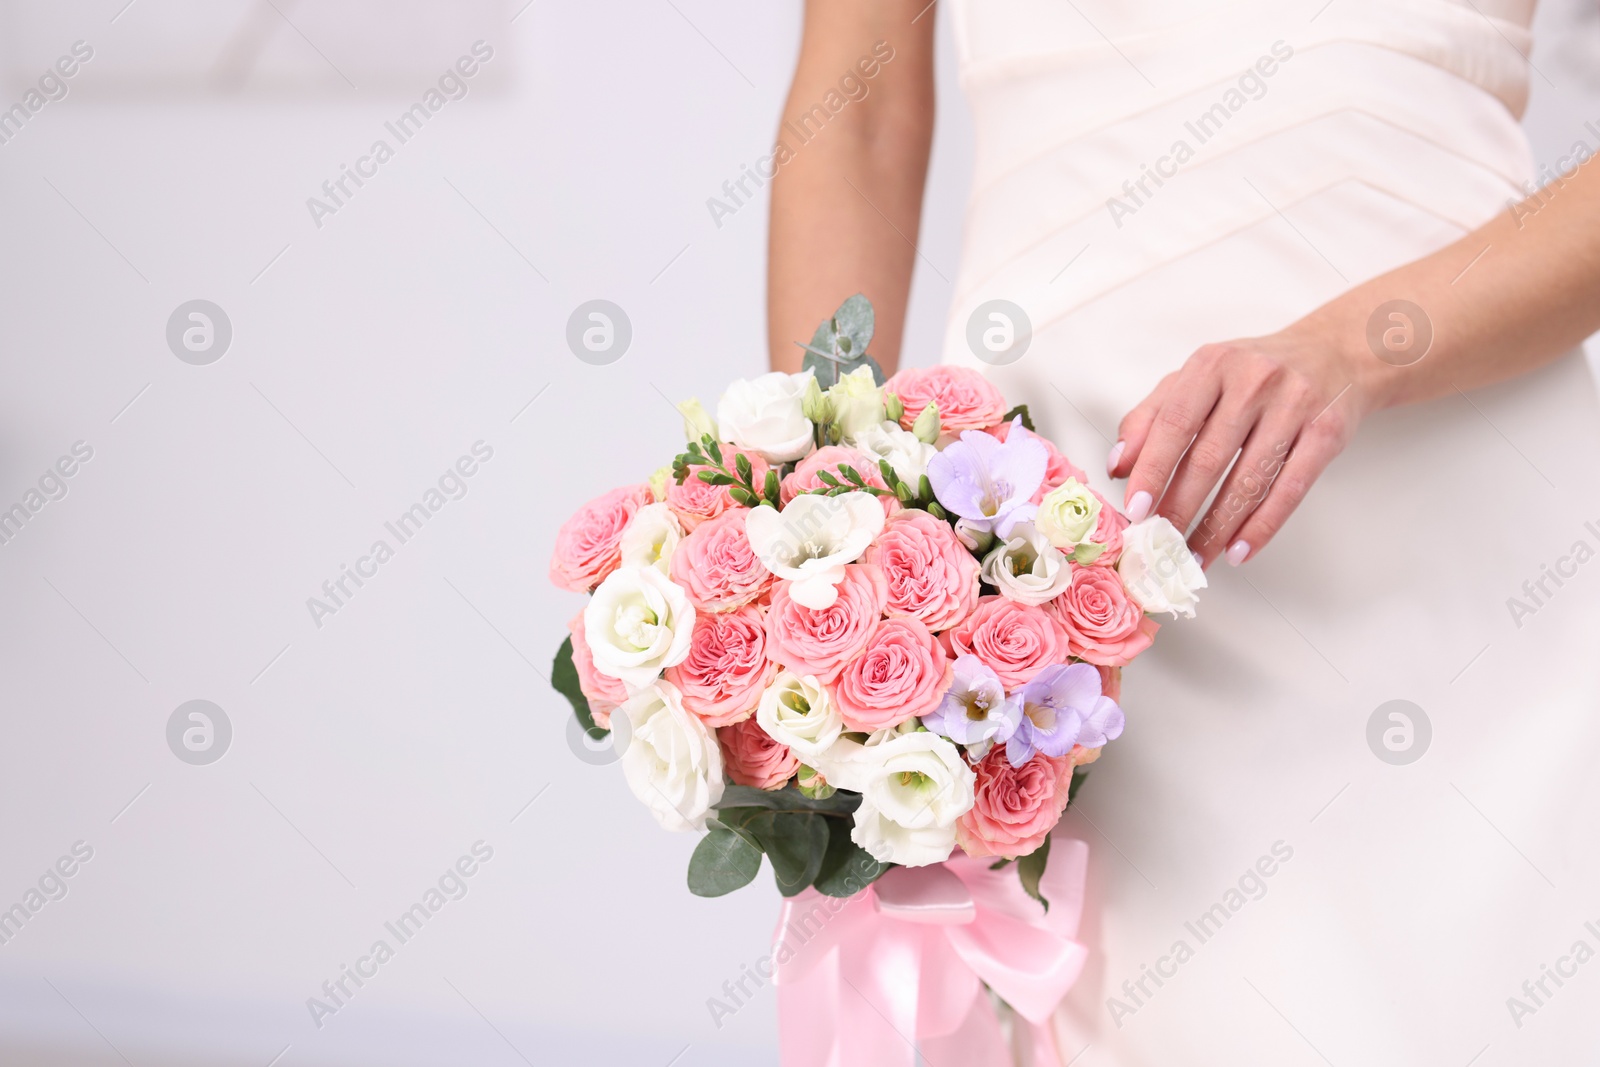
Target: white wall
(371, 752)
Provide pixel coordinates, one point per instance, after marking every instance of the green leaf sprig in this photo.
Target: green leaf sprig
(706, 454)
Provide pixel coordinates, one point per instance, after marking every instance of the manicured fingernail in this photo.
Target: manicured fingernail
(1115, 456)
(1238, 552)
(1139, 506)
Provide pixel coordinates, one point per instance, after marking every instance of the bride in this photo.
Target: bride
(1282, 264)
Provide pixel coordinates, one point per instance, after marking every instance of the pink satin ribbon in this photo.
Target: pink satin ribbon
(867, 981)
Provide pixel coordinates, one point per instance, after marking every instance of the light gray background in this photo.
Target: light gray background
(368, 754)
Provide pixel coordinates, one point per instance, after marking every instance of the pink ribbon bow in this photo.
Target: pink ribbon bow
(900, 966)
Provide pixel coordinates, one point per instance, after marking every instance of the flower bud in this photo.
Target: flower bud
(697, 422)
(894, 408)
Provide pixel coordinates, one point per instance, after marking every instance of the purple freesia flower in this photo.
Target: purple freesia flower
(989, 482)
(1062, 707)
(975, 708)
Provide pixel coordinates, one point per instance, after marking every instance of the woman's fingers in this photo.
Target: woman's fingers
(1205, 462)
(1312, 452)
(1260, 460)
(1186, 404)
(1135, 427)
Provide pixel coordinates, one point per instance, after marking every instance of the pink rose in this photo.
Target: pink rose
(966, 399)
(903, 673)
(1014, 640)
(821, 642)
(1014, 808)
(1059, 468)
(588, 545)
(829, 458)
(716, 566)
(753, 758)
(727, 667)
(1110, 682)
(1103, 624)
(695, 501)
(930, 575)
(603, 692)
(1108, 531)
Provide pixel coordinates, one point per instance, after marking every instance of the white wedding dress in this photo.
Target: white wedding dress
(1407, 904)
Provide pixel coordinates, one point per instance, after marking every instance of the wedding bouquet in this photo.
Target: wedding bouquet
(859, 624)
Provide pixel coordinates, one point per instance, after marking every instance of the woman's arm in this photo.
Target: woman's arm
(847, 195)
(1502, 301)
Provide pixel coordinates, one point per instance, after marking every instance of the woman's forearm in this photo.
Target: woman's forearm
(1504, 300)
(852, 161)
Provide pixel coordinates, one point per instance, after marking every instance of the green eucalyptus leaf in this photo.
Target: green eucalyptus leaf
(564, 678)
(794, 842)
(1020, 409)
(786, 799)
(846, 868)
(855, 322)
(1030, 869)
(839, 345)
(722, 862)
(1079, 776)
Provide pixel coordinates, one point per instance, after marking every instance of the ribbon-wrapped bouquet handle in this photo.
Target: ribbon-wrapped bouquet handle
(868, 980)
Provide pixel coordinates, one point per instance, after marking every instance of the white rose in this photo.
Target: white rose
(915, 787)
(1158, 569)
(650, 537)
(765, 414)
(672, 762)
(637, 623)
(1026, 567)
(798, 712)
(812, 540)
(906, 453)
(857, 402)
(1067, 514)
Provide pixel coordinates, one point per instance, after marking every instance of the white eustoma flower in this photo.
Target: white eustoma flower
(914, 786)
(765, 414)
(1026, 567)
(1067, 514)
(906, 453)
(856, 400)
(637, 624)
(798, 712)
(672, 762)
(812, 540)
(1158, 569)
(650, 537)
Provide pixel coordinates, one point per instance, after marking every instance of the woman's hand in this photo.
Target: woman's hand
(1507, 298)
(1282, 406)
